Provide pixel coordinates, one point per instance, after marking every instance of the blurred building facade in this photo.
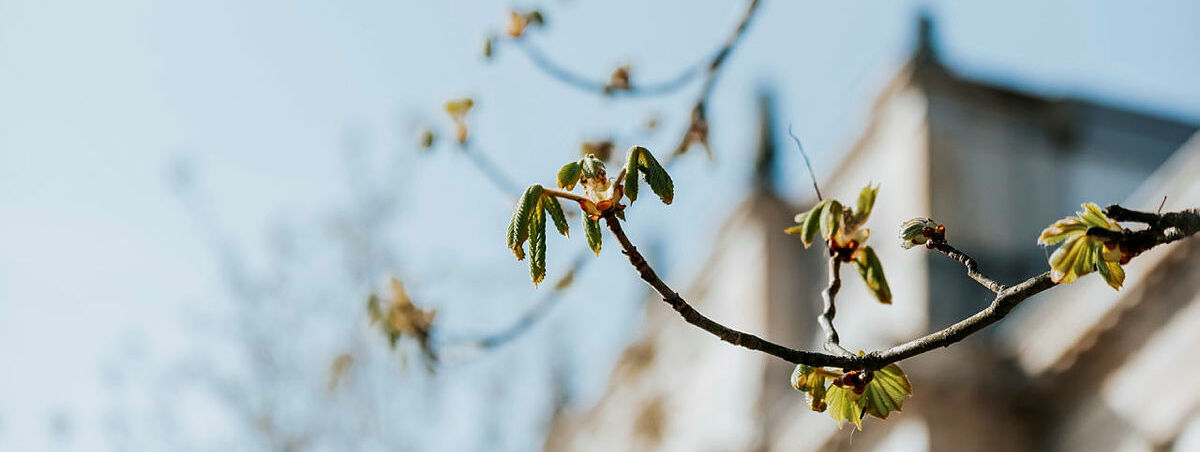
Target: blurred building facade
(1079, 368)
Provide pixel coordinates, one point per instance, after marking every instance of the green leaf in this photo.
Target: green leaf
(1112, 272)
(1061, 230)
(886, 392)
(555, 210)
(592, 229)
(591, 167)
(568, 175)
(639, 160)
(811, 223)
(912, 232)
(794, 230)
(871, 270)
(656, 176)
(537, 246)
(831, 219)
(631, 173)
(866, 202)
(518, 227)
(844, 405)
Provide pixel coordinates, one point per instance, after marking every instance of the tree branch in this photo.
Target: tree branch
(1166, 228)
(832, 342)
(698, 127)
(967, 261)
(694, 317)
(564, 75)
(712, 65)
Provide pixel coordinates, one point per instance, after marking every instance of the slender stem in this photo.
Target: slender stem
(969, 262)
(699, 108)
(811, 175)
(710, 68)
(562, 74)
(563, 194)
(832, 342)
(1168, 227)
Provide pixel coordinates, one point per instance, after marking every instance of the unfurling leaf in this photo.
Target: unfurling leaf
(1079, 253)
(640, 160)
(878, 394)
(844, 405)
(810, 223)
(592, 229)
(806, 379)
(537, 245)
(631, 172)
(886, 392)
(568, 175)
(871, 270)
(553, 208)
(831, 219)
(866, 202)
(518, 227)
(1112, 272)
(918, 231)
(591, 167)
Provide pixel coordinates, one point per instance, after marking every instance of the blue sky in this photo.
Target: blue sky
(98, 99)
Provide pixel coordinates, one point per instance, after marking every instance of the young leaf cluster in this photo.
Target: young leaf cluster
(1079, 253)
(640, 161)
(918, 231)
(529, 224)
(853, 395)
(841, 227)
(601, 196)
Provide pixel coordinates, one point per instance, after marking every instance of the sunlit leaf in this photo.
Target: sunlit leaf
(811, 223)
(631, 174)
(844, 405)
(537, 246)
(554, 209)
(871, 270)
(656, 176)
(518, 227)
(568, 175)
(1112, 272)
(831, 219)
(592, 229)
(866, 202)
(886, 392)
(639, 160)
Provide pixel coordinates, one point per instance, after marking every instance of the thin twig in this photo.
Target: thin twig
(811, 175)
(1167, 228)
(967, 261)
(832, 341)
(700, 107)
(710, 67)
(562, 74)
